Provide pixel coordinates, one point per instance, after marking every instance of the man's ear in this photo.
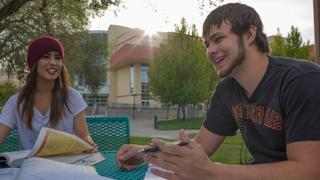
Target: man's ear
(250, 35)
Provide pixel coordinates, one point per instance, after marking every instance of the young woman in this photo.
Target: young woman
(46, 99)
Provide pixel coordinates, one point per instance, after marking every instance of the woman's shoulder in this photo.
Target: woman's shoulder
(13, 98)
(74, 93)
(76, 100)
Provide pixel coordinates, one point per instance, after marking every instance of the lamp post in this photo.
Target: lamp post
(134, 106)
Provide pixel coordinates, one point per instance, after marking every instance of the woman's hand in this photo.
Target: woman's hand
(90, 141)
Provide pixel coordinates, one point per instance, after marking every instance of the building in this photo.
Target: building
(131, 51)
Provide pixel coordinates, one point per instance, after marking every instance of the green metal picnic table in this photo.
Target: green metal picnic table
(109, 133)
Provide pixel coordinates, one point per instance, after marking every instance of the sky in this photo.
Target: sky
(162, 15)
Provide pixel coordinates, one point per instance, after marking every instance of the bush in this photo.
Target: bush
(6, 90)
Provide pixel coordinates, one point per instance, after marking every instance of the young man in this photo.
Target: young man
(273, 101)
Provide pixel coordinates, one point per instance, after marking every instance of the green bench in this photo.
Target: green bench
(109, 133)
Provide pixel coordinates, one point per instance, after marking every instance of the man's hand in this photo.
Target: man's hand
(187, 162)
(128, 156)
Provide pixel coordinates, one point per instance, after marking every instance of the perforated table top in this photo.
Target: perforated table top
(109, 168)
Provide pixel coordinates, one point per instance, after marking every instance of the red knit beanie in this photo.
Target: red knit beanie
(41, 46)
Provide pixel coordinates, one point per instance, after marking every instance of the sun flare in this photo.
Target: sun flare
(150, 31)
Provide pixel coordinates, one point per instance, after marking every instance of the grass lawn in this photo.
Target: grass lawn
(193, 123)
(228, 152)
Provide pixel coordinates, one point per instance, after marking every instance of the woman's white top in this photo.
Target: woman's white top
(27, 137)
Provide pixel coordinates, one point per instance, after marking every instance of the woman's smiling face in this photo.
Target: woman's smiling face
(50, 65)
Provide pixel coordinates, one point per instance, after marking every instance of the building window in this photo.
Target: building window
(145, 96)
(145, 103)
(95, 100)
(144, 73)
(131, 83)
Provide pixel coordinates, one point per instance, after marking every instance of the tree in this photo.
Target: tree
(22, 20)
(295, 46)
(181, 73)
(292, 46)
(7, 89)
(278, 46)
(90, 67)
(10, 7)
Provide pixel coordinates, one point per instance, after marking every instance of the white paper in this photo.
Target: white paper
(150, 176)
(8, 173)
(40, 168)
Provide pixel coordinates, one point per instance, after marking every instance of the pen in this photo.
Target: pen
(156, 149)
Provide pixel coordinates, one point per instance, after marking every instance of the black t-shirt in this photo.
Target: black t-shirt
(284, 108)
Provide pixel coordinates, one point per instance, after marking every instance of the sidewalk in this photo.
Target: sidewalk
(144, 127)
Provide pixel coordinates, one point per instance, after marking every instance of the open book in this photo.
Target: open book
(56, 145)
(39, 168)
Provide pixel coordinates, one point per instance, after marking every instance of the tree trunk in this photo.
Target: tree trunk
(183, 109)
(46, 18)
(178, 112)
(8, 80)
(168, 110)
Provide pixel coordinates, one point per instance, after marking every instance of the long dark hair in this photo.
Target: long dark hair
(241, 17)
(60, 96)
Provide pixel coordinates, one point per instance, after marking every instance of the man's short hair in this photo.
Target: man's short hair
(241, 17)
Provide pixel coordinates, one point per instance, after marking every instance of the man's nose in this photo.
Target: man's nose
(212, 50)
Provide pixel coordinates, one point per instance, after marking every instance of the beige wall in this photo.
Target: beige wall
(114, 32)
(120, 91)
(111, 84)
(120, 35)
(119, 78)
(122, 84)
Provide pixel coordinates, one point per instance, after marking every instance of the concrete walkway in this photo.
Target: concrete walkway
(144, 127)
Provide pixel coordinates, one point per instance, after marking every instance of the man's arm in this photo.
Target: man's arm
(214, 140)
(303, 163)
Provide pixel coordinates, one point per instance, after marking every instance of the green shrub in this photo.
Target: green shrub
(6, 90)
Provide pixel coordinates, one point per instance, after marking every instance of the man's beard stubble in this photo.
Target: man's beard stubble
(237, 61)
